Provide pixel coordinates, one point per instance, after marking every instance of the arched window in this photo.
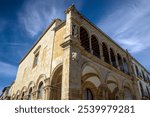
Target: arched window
(142, 90)
(17, 97)
(126, 70)
(137, 71)
(127, 94)
(40, 91)
(120, 62)
(143, 75)
(113, 59)
(22, 97)
(88, 94)
(84, 38)
(95, 46)
(30, 94)
(105, 53)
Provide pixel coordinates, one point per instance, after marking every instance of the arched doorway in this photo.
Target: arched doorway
(56, 84)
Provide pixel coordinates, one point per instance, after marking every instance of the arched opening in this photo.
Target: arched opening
(143, 75)
(142, 90)
(88, 94)
(137, 71)
(84, 39)
(95, 46)
(105, 53)
(112, 91)
(30, 94)
(17, 97)
(127, 94)
(120, 62)
(113, 59)
(56, 85)
(40, 91)
(126, 70)
(22, 96)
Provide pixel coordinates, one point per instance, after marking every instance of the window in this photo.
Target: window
(105, 53)
(84, 38)
(137, 71)
(120, 62)
(30, 94)
(113, 59)
(36, 59)
(40, 91)
(143, 75)
(125, 66)
(142, 90)
(88, 94)
(95, 47)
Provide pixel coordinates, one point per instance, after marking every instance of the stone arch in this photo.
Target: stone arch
(105, 52)
(84, 38)
(23, 92)
(30, 90)
(17, 96)
(91, 86)
(31, 84)
(113, 86)
(113, 58)
(95, 46)
(13, 97)
(41, 78)
(125, 65)
(91, 69)
(128, 90)
(56, 83)
(40, 90)
(120, 62)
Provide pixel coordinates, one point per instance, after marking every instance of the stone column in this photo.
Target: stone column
(71, 73)
(34, 93)
(104, 91)
(47, 89)
(109, 55)
(121, 94)
(101, 52)
(117, 63)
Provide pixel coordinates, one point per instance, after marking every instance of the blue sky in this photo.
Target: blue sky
(23, 21)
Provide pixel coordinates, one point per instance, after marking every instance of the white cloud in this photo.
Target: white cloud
(7, 69)
(129, 25)
(36, 15)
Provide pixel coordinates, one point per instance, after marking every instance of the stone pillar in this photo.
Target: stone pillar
(91, 50)
(101, 52)
(71, 73)
(121, 94)
(47, 89)
(34, 94)
(136, 89)
(104, 91)
(109, 55)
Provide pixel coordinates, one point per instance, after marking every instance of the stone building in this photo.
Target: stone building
(74, 59)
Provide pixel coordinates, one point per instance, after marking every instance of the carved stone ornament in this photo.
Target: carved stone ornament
(75, 31)
(75, 56)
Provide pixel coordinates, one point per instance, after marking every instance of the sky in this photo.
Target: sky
(23, 21)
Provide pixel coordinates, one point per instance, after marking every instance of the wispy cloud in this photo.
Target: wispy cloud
(35, 16)
(129, 24)
(7, 70)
